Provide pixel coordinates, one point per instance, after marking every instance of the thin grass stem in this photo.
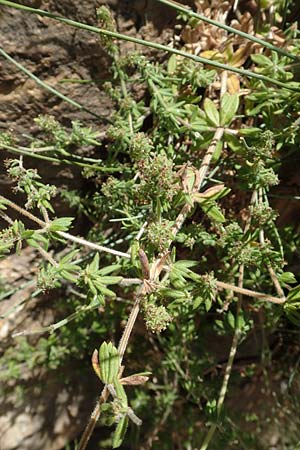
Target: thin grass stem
(50, 88)
(32, 154)
(164, 48)
(231, 30)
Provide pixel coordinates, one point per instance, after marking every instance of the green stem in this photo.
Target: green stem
(11, 292)
(228, 370)
(20, 151)
(53, 327)
(123, 89)
(63, 152)
(164, 48)
(247, 36)
(233, 348)
(49, 88)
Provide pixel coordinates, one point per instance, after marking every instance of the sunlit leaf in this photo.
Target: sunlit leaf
(211, 112)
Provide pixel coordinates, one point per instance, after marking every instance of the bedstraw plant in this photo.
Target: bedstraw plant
(182, 228)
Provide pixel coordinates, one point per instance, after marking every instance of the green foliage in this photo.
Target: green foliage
(181, 223)
(96, 280)
(109, 363)
(51, 275)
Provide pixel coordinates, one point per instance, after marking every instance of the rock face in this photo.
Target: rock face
(50, 411)
(49, 414)
(54, 52)
(41, 409)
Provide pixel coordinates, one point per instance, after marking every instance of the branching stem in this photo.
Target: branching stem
(250, 293)
(136, 306)
(63, 234)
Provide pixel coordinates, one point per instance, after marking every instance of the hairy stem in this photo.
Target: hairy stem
(250, 293)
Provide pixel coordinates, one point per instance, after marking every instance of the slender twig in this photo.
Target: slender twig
(22, 211)
(32, 154)
(141, 231)
(89, 244)
(272, 273)
(249, 293)
(156, 264)
(124, 90)
(6, 218)
(63, 234)
(130, 281)
(229, 365)
(11, 292)
(275, 281)
(47, 256)
(113, 34)
(224, 77)
(234, 345)
(54, 326)
(150, 439)
(201, 176)
(45, 214)
(130, 413)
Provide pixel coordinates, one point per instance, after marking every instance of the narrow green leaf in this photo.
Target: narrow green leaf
(27, 234)
(208, 303)
(91, 286)
(229, 107)
(120, 391)
(134, 253)
(287, 277)
(262, 60)
(185, 263)
(172, 293)
(233, 142)
(197, 301)
(241, 320)
(68, 276)
(218, 151)
(172, 63)
(211, 112)
(120, 432)
(178, 282)
(97, 300)
(251, 131)
(103, 289)
(61, 224)
(109, 362)
(109, 269)
(104, 362)
(213, 211)
(94, 265)
(110, 280)
(231, 320)
(293, 295)
(69, 256)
